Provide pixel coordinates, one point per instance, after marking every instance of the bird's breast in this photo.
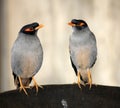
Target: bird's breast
(82, 57)
(27, 57)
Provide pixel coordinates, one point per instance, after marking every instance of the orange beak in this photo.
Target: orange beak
(71, 24)
(40, 26)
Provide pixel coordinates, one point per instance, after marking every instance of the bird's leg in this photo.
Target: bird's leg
(21, 86)
(89, 78)
(36, 85)
(79, 81)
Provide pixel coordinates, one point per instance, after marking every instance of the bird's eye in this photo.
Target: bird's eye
(29, 29)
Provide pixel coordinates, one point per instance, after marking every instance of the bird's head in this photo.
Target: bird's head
(31, 29)
(78, 24)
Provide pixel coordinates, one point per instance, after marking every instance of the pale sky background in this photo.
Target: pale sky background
(103, 18)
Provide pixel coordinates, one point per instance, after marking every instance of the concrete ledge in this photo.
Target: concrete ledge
(63, 96)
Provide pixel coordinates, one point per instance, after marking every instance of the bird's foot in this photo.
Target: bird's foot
(36, 85)
(22, 87)
(79, 85)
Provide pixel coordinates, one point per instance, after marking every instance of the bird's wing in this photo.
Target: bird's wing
(75, 69)
(94, 50)
(93, 36)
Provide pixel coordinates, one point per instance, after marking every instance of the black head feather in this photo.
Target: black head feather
(79, 24)
(29, 28)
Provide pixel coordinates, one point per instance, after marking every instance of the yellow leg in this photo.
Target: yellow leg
(21, 86)
(35, 84)
(89, 78)
(79, 81)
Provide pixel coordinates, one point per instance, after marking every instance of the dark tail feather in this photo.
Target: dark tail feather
(25, 81)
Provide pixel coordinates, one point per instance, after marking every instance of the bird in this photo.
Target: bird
(26, 56)
(83, 51)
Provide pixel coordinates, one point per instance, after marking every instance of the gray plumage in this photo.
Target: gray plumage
(83, 49)
(26, 55)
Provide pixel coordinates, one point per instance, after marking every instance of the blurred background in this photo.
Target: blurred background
(103, 18)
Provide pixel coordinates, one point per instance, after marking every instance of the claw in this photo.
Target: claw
(21, 86)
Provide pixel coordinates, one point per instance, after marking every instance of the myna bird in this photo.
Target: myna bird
(26, 56)
(83, 51)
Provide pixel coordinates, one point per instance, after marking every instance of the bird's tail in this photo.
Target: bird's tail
(25, 81)
(83, 76)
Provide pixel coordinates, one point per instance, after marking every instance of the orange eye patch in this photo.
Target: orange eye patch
(81, 24)
(29, 30)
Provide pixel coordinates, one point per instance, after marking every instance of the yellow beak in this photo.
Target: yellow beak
(40, 26)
